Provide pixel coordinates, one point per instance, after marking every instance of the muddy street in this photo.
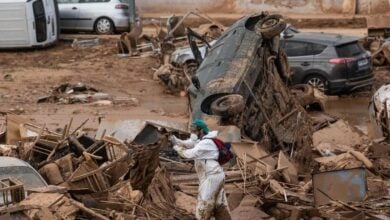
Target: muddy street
(352, 109)
(29, 75)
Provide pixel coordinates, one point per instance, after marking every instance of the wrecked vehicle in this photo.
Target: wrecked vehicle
(183, 57)
(28, 24)
(241, 82)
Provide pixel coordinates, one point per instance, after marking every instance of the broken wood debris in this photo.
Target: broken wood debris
(142, 177)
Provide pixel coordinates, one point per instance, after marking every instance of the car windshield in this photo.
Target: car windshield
(349, 50)
(24, 174)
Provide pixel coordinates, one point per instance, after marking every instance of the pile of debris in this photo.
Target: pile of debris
(96, 178)
(68, 93)
(170, 45)
(74, 93)
(127, 175)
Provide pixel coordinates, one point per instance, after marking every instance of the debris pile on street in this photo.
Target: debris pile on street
(100, 178)
(74, 93)
(169, 44)
(377, 41)
(142, 177)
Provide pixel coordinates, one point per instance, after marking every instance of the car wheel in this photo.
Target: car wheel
(104, 26)
(190, 68)
(228, 105)
(317, 82)
(270, 26)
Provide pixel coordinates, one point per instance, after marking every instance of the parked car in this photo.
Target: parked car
(330, 62)
(27, 24)
(101, 16)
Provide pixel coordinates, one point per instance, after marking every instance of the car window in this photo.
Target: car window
(349, 50)
(295, 49)
(317, 48)
(67, 1)
(93, 1)
(26, 175)
(125, 1)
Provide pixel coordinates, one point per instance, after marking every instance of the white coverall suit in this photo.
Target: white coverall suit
(211, 195)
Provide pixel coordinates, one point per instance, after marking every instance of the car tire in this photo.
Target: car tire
(190, 67)
(270, 26)
(104, 26)
(228, 105)
(318, 82)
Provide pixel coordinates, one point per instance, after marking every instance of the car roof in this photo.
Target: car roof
(323, 38)
(12, 162)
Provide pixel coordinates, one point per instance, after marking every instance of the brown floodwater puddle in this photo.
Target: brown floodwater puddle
(352, 109)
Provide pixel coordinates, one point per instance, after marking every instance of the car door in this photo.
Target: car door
(300, 58)
(69, 13)
(90, 10)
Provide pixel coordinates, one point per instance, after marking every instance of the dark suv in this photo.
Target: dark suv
(330, 62)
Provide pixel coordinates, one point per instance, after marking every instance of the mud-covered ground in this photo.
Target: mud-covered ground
(27, 75)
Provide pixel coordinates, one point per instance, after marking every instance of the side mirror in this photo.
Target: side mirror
(195, 82)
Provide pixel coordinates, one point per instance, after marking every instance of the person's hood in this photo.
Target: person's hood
(211, 134)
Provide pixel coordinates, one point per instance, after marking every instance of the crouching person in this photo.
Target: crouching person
(211, 195)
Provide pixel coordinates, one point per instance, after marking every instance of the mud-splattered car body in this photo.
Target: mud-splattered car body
(246, 64)
(223, 71)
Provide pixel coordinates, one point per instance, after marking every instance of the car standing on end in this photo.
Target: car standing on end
(331, 63)
(101, 16)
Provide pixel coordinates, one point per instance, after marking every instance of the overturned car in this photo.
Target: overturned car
(242, 81)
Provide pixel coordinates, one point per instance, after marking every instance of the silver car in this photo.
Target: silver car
(101, 16)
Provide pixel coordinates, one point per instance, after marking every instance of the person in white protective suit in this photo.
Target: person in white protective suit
(211, 195)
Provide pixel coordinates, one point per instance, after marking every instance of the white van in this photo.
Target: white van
(28, 23)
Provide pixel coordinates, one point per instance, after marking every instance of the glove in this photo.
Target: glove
(177, 148)
(173, 139)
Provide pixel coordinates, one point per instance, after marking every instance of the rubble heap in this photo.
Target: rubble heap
(143, 178)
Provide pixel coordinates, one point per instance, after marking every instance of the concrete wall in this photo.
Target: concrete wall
(252, 6)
